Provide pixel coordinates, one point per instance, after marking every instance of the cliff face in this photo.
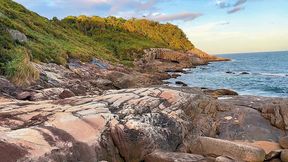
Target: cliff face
(201, 54)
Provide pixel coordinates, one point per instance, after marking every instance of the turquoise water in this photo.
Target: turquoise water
(267, 74)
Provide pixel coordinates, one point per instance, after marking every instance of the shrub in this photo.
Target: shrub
(20, 70)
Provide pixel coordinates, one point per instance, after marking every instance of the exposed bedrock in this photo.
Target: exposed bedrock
(151, 124)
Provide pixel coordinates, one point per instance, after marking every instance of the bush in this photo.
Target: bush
(20, 70)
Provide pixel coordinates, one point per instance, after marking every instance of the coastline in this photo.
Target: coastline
(119, 114)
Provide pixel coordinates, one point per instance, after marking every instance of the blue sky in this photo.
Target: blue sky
(215, 26)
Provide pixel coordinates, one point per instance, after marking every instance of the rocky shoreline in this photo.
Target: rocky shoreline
(101, 112)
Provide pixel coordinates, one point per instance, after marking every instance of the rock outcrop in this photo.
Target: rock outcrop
(138, 124)
(203, 55)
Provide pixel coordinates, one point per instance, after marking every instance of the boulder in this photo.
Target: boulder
(284, 142)
(162, 156)
(181, 83)
(17, 35)
(66, 94)
(24, 95)
(244, 73)
(211, 146)
(220, 92)
(104, 84)
(284, 155)
(6, 87)
(47, 94)
(175, 75)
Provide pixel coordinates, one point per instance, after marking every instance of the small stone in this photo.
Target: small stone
(24, 96)
(161, 156)
(284, 142)
(244, 73)
(181, 83)
(223, 159)
(284, 155)
(66, 94)
(228, 117)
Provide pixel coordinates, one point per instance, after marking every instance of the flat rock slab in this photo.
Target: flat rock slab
(129, 124)
(210, 146)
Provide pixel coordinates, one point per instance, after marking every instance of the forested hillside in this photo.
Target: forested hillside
(113, 39)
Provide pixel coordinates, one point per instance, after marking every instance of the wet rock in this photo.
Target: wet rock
(175, 75)
(244, 73)
(284, 142)
(284, 155)
(211, 146)
(175, 71)
(162, 156)
(181, 83)
(229, 72)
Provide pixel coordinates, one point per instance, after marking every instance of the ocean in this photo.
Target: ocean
(261, 74)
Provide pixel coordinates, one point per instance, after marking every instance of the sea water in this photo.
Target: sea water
(262, 74)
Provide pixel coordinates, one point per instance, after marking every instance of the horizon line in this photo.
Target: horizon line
(251, 52)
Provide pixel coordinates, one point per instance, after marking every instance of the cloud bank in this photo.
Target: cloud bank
(231, 6)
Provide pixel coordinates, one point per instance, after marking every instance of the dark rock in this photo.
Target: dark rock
(284, 142)
(244, 73)
(175, 71)
(230, 72)
(66, 94)
(24, 96)
(181, 83)
(104, 84)
(273, 155)
(6, 87)
(275, 160)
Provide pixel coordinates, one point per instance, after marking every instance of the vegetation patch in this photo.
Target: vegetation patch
(112, 39)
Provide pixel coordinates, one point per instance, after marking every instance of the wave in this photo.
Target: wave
(274, 74)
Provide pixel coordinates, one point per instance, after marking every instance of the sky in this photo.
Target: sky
(215, 26)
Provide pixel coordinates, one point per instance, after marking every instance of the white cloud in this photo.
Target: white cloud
(185, 16)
